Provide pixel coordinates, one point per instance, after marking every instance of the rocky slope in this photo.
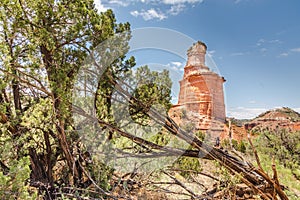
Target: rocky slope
(281, 118)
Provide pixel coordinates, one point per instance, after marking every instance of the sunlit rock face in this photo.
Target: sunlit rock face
(201, 96)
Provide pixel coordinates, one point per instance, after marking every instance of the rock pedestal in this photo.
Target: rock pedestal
(201, 97)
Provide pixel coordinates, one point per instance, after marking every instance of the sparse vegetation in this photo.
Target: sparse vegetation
(283, 146)
(287, 112)
(42, 153)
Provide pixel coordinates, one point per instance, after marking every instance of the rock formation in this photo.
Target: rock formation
(272, 120)
(281, 118)
(201, 97)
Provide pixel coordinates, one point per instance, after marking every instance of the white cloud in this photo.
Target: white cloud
(297, 110)
(100, 7)
(238, 54)
(284, 54)
(296, 50)
(176, 66)
(260, 42)
(263, 50)
(281, 32)
(123, 3)
(211, 52)
(173, 2)
(245, 113)
(176, 9)
(161, 9)
(249, 113)
(275, 41)
(119, 2)
(135, 13)
(152, 2)
(149, 14)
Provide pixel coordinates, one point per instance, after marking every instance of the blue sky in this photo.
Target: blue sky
(254, 43)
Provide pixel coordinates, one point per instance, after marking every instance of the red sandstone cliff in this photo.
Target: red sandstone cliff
(282, 118)
(277, 119)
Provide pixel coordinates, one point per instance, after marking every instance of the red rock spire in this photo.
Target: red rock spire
(196, 59)
(201, 93)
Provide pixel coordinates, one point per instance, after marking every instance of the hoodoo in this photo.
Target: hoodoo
(201, 96)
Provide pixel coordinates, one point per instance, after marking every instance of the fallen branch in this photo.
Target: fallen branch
(181, 184)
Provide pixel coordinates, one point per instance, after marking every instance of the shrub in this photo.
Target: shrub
(14, 184)
(241, 146)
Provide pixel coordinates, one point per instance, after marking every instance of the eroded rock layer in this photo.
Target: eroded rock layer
(201, 97)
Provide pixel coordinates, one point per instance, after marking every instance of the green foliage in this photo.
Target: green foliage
(286, 176)
(188, 166)
(200, 135)
(284, 147)
(101, 173)
(148, 90)
(227, 181)
(234, 143)
(161, 138)
(14, 185)
(225, 143)
(152, 90)
(241, 146)
(37, 117)
(281, 144)
(42, 46)
(183, 114)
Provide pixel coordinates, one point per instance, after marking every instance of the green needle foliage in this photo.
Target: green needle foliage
(152, 90)
(43, 44)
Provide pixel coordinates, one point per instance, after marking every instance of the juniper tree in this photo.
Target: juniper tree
(43, 45)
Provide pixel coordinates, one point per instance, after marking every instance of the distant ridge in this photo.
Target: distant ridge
(275, 119)
(280, 118)
(284, 112)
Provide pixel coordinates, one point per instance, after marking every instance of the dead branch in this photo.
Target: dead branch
(161, 189)
(195, 172)
(255, 152)
(251, 176)
(180, 184)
